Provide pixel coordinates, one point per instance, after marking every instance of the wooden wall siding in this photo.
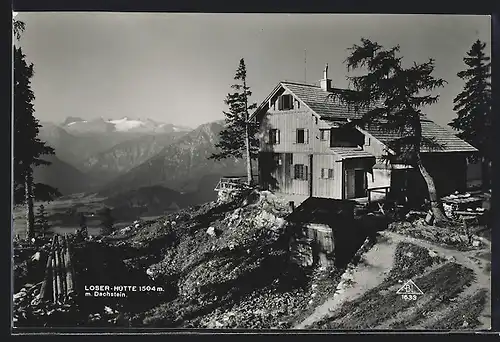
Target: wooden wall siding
(374, 147)
(283, 174)
(299, 186)
(322, 237)
(288, 122)
(327, 188)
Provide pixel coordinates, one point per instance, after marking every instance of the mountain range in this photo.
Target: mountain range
(120, 157)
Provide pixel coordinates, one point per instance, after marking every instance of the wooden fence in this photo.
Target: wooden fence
(59, 282)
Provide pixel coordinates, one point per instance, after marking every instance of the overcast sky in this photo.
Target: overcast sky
(178, 68)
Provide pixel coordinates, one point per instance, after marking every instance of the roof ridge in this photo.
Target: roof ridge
(300, 83)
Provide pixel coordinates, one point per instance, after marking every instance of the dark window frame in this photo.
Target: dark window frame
(300, 172)
(274, 136)
(297, 135)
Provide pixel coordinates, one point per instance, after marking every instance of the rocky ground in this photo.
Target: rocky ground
(221, 265)
(226, 265)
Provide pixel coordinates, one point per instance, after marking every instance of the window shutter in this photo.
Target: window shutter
(296, 136)
(278, 136)
(306, 136)
(280, 103)
(266, 137)
(330, 173)
(322, 173)
(306, 174)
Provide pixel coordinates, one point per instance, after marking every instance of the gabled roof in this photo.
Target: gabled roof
(323, 103)
(328, 107)
(448, 141)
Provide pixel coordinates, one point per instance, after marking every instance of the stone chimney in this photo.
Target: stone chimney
(326, 83)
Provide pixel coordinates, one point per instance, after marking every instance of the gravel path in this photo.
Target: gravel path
(377, 263)
(379, 260)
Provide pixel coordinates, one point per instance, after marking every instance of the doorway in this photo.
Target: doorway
(355, 183)
(359, 183)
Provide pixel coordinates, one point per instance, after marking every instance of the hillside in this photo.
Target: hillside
(128, 154)
(181, 165)
(61, 175)
(228, 265)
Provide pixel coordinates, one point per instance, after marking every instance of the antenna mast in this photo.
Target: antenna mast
(305, 66)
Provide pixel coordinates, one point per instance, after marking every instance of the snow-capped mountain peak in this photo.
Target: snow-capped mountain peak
(125, 124)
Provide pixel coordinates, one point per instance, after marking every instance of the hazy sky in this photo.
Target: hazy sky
(178, 68)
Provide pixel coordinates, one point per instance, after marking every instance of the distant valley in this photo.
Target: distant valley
(137, 165)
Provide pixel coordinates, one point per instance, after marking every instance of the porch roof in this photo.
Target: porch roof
(351, 152)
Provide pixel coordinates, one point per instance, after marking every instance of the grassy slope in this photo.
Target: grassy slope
(382, 308)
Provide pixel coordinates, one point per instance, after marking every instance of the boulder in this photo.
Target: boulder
(211, 231)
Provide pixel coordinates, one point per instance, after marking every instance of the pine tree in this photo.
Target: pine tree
(473, 106)
(82, 232)
(393, 97)
(42, 223)
(238, 138)
(27, 147)
(107, 221)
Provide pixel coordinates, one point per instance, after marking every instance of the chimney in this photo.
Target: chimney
(326, 83)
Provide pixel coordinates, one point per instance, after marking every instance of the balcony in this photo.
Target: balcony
(234, 183)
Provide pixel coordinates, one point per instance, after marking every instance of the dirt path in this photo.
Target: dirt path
(379, 261)
(468, 259)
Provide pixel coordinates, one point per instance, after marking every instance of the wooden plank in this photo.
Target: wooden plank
(47, 280)
(60, 290)
(54, 277)
(69, 269)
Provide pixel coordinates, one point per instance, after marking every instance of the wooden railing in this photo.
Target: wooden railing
(234, 183)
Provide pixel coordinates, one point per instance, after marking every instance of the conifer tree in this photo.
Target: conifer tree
(107, 221)
(83, 231)
(42, 223)
(238, 138)
(393, 97)
(473, 106)
(28, 148)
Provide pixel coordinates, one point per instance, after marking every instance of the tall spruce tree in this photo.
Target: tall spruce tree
(27, 146)
(393, 96)
(41, 221)
(473, 106)
(238, 138)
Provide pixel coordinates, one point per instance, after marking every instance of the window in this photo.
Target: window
(327, 173)
(324, 134)
(300, 171)
(285, 102)
(274, 136)
(277, 159)
(302, 136)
